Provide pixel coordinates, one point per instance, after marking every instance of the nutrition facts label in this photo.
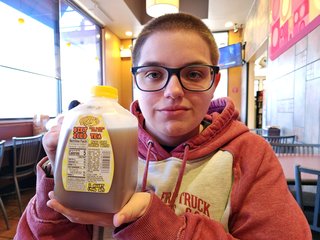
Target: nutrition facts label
(88, 159)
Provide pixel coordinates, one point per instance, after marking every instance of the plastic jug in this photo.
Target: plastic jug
(97, 154)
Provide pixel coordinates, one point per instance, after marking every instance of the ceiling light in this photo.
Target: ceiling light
(128, 33)
(156, 8)
(228, 24)
(125, 52)
(21, 20)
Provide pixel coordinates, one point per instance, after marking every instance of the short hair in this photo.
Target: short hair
(176, 21)
(73, 104)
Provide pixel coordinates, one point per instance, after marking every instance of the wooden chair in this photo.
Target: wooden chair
(26, 151)
(4, 212)
(312, 213)
(295, 148)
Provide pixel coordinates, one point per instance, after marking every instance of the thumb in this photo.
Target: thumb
(118, 219)
(134, 209)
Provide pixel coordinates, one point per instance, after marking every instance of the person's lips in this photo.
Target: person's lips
(174, 110)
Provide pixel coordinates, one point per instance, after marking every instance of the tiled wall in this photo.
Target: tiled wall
(292, 93)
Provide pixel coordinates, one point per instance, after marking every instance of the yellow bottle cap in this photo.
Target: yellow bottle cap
(105, 91)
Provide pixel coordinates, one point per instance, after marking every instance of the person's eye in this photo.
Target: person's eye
(153, 75)
(194, 75)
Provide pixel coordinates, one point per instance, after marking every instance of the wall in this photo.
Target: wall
(292, 86)
(293, 90)
(257, 28)
(235, 73)
(126, 76)
(112, 60)
(117, 70)
(255, 35)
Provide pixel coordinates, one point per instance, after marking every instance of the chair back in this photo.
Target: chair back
(3, 209)
(280, 139)
(314, 221)
(1, 151)
(26, 152)
(295, 148)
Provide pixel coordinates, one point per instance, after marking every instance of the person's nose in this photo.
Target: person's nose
(174, 88)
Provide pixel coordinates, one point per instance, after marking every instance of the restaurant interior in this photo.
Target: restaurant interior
(53, 51)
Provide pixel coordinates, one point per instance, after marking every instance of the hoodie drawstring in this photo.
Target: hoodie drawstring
(180, 176)
(181, 172)
(145, 174)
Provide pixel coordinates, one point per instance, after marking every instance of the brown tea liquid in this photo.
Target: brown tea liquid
(96, 162)
(123, 183)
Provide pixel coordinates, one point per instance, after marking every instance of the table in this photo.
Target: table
(309, 161)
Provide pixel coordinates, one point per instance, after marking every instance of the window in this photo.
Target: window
(32, 44)
(80, 46)
(28, 71)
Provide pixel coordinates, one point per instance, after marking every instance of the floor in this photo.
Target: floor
(11, 204)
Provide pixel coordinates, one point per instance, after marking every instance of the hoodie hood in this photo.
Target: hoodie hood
(221, 126)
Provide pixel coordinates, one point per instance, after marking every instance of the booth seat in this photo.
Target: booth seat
(33, 127)
(15, 129)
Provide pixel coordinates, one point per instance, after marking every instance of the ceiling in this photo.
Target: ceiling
(129, 15)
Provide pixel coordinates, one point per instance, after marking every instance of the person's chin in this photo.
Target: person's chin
(175, 128)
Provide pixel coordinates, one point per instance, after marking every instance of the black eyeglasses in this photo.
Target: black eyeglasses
(196, 78)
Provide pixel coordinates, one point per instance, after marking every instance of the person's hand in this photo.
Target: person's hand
(50, 140)
(134, 209)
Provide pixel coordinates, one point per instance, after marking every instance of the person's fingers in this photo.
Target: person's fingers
(51, 195)
(134, 209)
(82, 217)
(50, 142)
(118, 219)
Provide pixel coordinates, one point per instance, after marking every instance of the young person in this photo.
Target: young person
(201, 176)
(73, 104)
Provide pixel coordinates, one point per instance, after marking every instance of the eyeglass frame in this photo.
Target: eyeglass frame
(176, 71)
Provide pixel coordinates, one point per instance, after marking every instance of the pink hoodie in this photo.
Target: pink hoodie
(225, 183)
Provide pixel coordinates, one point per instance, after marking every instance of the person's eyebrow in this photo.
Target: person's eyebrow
(153, 63)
